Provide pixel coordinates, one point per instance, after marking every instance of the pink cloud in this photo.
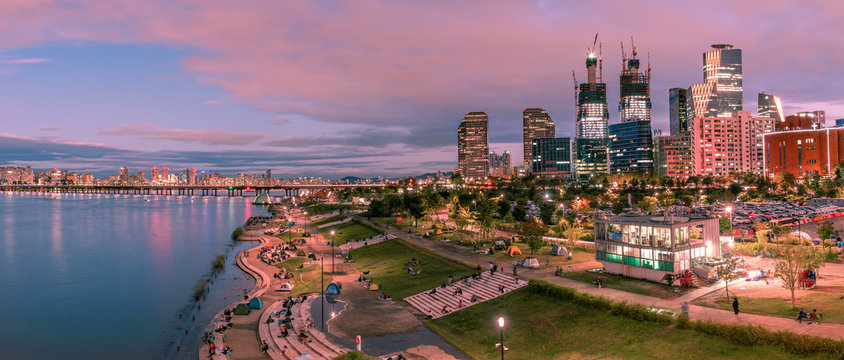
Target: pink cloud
(210, 137)
(23, 61)
(51, 128)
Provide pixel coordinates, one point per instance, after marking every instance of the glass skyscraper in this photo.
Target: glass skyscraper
(635, 95)
(769, 106)
(590, 145)
(720, 94)
(678, 106)
(551, 157)
(631, 147)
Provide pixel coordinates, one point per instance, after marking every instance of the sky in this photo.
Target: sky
(362, 88)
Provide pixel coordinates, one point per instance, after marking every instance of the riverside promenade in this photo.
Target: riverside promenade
(828, 330)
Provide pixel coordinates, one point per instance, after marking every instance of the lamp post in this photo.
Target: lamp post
(322, 290)
(501, 331)
(332, 252)
(730, 214)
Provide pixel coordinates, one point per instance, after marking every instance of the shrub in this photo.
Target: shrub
(828, 255)
(747, 248)
(354, 355)
(219, 263)
(200, 289)
(236, 233)
(623, 308)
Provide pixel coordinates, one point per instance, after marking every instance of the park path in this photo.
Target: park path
(828, 330)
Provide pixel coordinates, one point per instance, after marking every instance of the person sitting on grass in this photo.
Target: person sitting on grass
(801, 315)
(813, 316)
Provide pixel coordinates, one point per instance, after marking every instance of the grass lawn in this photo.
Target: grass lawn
(827, 303)
(542, 327)
(636, 286)
(328, 220)
(349, 231)
(310, 276)
(287, 235)
(319, 209)
(385, 262)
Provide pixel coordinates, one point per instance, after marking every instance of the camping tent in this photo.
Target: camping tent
(286, 287)
(530, 262)
(513, 250)
(559, 250)
(305, 356)
(374, 286)
(256, 303)
(332, 289)
(241, 309)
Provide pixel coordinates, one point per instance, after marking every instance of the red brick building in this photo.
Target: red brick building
(803, 153)
(805, 121)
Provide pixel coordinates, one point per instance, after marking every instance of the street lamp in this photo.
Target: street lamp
(332, 252)
(322, 290)
(501, 331)
(290, 230)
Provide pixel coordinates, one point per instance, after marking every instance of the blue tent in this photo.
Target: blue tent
(332, 289)
(256, 303)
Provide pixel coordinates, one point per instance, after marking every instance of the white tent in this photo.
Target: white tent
(530, 262)
(559, 250)
(286, 287)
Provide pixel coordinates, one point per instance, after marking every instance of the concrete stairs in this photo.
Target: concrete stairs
(289, 347)
(485, 288)
(361, 243)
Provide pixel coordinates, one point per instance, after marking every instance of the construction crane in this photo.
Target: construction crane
(594, 42)
(573, 78)
(600, 62)
(634, 46)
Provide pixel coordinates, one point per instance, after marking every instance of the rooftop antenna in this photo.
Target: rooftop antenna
(623, 56)
(649, 68)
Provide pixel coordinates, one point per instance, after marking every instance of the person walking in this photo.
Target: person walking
(735, 305)
(685, 308)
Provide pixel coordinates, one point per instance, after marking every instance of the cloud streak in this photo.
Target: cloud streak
(209, 137)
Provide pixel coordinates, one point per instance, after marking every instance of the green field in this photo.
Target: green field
(310, 276)
(320, 209)
(636, 286)
(349, 231)
(542, 327)
(328, 220)
(827, 303)
(386, 263)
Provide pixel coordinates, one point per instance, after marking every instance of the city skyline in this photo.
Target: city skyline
(99, 86)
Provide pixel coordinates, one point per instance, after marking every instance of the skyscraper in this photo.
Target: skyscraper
(630, 145)
(473, 147)
(635, 95)
(551, 157)
(590, 145)
(720, 94)
(536, 123)
(769, 106)
(499, 165)
(727, 145)
(678, 106)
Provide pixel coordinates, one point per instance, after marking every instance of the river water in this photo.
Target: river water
(87, 276)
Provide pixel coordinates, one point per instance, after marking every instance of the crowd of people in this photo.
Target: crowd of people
(272, 255)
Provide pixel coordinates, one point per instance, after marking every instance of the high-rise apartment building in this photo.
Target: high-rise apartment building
(499, 165)
(536, 123)
(727, 145)
(551, 157)
(678, 106)
(630, 147)
(673, 156)
(769, 106)
(720, 94)
(153, 175)
(473, 146)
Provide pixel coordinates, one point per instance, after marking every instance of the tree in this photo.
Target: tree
(503, 208)
(647, 204)
(790, 267)
(727, 272)
(825, 230)
(415, 205)
(761, 233)
(531, 233)
(572, 233)
(777, 230)
(785, 180)
(724, 224)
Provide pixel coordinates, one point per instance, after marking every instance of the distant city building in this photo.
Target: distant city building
(473, 147)
(269, 174)
(678, 106)
(720, 94)
(769, 106)
(804, 153)
(728, 145)
(818, 116)
(673, 156)
(799, 121)
(631, 147)
(500, 165)
(123, 173)
(154, 176)
(536, 123)
(589, 157)
(17, 175)
(839, 122)
(551, 157)
(635, 92)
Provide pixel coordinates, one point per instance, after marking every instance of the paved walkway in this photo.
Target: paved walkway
(829, 330)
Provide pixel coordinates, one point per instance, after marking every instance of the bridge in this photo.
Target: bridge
(191, 190)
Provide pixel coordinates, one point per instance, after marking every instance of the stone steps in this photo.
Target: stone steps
(319, 347)
(485, 288)
(361, 243)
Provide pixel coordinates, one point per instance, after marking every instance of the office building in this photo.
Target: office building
(123, 175)
(589, 157)
(630, 147)
(536, 123)
(500, 165)
(799, 121)
(720, 94)
(551, 157)
(678, 106)
(645, 247)
(635, 96)
(728, 145)
(818, 117)
(769, 106)
(804, 152)
(673, 156)
(590, 146)
(839, 122)
(473, 146)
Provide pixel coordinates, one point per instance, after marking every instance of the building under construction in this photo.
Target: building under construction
(590, 150)
(630, 141)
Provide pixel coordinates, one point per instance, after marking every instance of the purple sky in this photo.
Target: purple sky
(365, 88)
